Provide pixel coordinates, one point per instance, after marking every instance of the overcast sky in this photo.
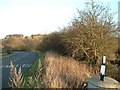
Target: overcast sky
(40, 16)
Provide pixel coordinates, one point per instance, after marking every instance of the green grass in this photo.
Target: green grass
(33, 69)
(34, 66)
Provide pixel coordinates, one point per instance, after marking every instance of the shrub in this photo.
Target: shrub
(112, 71)
(53, 42)
(91, 34)
(9, 51)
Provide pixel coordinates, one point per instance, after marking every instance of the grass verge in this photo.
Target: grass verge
(33, 71)
(34, 66)
(7, 55)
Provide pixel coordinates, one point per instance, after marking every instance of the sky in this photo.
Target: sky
(29, 17)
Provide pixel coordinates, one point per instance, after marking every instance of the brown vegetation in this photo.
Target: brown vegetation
(90, 36)
(59, 72)
(18, 42)
(16, 78)
(63, 72)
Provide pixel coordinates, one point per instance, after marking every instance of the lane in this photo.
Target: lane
(6, 61)
(23, 59)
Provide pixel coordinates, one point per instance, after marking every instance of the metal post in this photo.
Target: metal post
(102, 70)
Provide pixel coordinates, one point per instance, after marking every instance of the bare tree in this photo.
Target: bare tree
(91, 34)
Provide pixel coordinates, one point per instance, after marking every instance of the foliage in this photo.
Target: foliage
(113, 71)
(91, 34)
(34, 80)
(14, 43)
(53, 42)
(17, 80)
(18, 42)
(9, 51)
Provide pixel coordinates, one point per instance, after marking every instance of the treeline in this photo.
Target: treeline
(19, 42)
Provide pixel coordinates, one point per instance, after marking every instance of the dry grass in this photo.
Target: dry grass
(63, 72)
(57, 72)
(16, 78)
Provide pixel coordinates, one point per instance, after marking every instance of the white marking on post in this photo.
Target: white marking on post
(104, 59)
(102, 70)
